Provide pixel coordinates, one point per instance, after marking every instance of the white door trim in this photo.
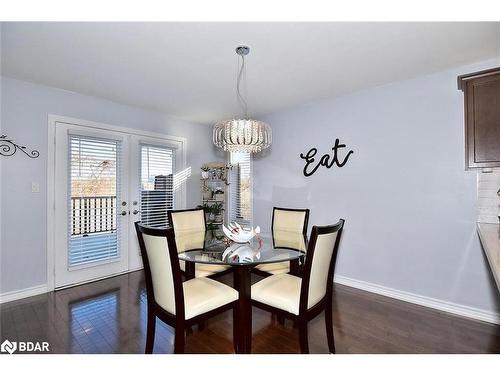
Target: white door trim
(178, 142)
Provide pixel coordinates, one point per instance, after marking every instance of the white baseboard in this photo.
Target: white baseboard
(23, 293)
(94, 280)
(449, 307)
(40, 289)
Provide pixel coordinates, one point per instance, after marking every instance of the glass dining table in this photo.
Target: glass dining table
(205, 248)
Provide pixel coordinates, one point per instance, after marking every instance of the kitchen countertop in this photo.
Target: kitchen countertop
(489, 234)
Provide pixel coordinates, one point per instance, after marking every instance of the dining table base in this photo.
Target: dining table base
(243, 321)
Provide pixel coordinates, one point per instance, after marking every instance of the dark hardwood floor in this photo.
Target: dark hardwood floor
(109, 316)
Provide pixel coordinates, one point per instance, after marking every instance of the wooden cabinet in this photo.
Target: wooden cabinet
(482, 118)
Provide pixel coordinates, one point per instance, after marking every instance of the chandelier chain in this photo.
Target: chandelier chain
(241, 99)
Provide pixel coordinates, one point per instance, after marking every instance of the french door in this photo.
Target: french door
(104, 181)
(157, 185)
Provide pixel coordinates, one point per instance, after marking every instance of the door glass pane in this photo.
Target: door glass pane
(156, 187)
(93, 183)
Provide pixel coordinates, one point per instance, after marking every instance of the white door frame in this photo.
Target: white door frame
(53, 120)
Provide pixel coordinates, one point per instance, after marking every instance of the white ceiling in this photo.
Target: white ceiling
(189, 69)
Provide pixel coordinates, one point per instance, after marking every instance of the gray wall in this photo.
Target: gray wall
(409, 205)
(1, 158)
(25, 107)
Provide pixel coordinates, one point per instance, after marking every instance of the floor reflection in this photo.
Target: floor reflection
(107, 316)
(94, 323)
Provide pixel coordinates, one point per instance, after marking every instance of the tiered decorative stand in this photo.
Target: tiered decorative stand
(214, 188)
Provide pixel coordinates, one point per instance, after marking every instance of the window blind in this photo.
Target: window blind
(156, 184)
(94, 193)
(240, 188)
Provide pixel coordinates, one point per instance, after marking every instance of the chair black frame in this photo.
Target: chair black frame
(190, 271)
(305, 314)
(177, 321)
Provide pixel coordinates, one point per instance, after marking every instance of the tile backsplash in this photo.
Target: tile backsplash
(488, 202)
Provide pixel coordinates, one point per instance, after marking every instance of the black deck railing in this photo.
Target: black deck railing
(93, 214)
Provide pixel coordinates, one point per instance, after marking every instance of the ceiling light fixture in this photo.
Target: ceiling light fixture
(242, 135)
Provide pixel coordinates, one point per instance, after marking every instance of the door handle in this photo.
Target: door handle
(123, 213)
(135, 212)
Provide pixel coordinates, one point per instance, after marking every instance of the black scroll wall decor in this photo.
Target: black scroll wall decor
(9, 148)
(326, 160)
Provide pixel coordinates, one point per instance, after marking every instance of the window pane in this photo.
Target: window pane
(157, 192)
(241, 188)
(93, 172)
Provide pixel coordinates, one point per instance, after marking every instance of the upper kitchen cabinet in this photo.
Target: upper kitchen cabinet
(482, 118)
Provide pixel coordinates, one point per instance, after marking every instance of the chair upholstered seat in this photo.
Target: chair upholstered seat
(275, 268)
(205, 270)
(202, 294)
(281, 291)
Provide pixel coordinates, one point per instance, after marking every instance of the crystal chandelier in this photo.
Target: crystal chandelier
(242, 135)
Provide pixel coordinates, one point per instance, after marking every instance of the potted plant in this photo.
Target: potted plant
(205, 169)
(207, 210)
(207, 193)
(216, 210)
(219, 173)
(219, 194)
(212, 230)
(218, 233)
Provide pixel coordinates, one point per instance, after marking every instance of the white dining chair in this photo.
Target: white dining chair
(178, 304)
(286, 224)
(303, 298)
(190, 229)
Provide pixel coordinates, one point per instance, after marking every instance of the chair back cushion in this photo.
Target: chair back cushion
(321, 260)
(189, 240)
(289, 240)
(188, 220)
(289, 220)
(161, 271)
(189, 228)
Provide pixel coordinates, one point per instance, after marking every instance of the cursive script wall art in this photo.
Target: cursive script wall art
(9, 148)
(311, 164)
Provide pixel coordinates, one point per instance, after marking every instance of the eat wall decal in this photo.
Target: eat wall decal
(310, 159)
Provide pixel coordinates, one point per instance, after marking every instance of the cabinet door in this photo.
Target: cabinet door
(482, 104)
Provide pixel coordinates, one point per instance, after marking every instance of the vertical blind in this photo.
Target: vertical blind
(93, 181)
(156, 184)
(240, 188)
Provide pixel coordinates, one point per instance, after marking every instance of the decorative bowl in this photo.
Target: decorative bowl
(237, 234)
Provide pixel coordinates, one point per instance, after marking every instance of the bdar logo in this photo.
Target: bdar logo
(8, 347)
(24, 346)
